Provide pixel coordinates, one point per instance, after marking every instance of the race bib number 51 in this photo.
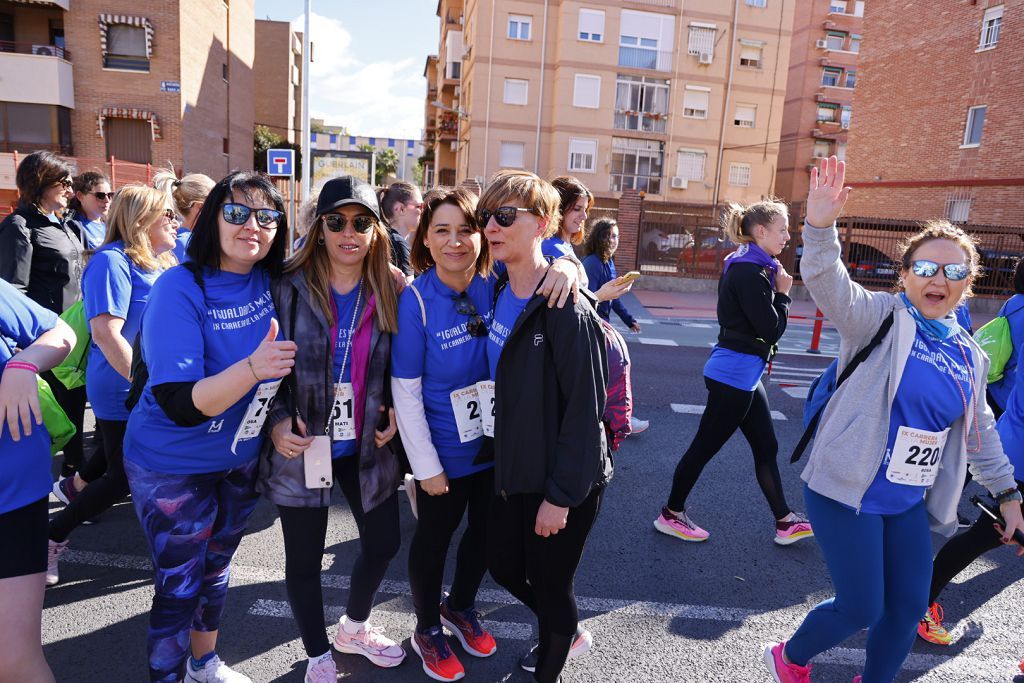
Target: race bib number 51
(916, 456)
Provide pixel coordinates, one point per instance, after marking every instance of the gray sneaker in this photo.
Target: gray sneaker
(580, 646)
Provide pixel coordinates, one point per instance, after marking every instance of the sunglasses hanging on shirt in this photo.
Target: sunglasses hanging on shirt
(476, 326)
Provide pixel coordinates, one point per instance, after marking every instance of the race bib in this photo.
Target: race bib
(343, 416)
(916, 456)
(466, 406)
(485, 388)
(256, 413)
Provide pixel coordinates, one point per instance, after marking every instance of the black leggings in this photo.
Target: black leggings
(962, 550)
(439, 517)
(540, 571)
(102, 492)
(72, 401)
(730, 408)
(305, 534)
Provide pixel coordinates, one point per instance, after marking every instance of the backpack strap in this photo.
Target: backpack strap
(423, 310)
(861, 356)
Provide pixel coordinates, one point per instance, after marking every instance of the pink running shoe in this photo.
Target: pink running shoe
(371, 643)
(680, 526)
(781, 671)
(797, 529)
(857, 679)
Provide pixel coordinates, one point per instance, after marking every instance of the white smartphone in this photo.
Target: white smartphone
(317, 463)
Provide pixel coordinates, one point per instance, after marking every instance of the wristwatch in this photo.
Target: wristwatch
(1009, 495)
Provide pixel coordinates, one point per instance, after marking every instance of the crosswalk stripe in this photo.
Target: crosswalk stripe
(687, 409)
(651, 341)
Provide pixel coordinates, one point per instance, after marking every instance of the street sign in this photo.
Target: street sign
(170, 86)
(281, 162)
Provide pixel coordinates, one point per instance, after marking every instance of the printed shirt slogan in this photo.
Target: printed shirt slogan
(238, 317)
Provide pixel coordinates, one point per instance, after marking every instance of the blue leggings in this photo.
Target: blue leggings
(193, 523)
(881, 567)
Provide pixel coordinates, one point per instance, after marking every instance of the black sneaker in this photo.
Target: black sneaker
(962, 522)
(580, 645)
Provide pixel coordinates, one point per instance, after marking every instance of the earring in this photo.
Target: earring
(320, 240)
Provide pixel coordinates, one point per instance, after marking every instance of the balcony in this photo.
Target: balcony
(32, 76)
(640, 121)
(645, 58)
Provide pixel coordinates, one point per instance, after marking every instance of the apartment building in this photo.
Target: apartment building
(327, 137)
(278, 63)
(683, 105)
(141, 81)
(937, 125)
(827, 36)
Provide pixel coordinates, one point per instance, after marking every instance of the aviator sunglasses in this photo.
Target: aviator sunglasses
(336, 222)
(238, 214)
(505, 216)
(952, 271)
(476, 325)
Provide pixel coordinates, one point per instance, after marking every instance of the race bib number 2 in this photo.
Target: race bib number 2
(466, 407)
(256, 413)
(485, 389)
(916, 456)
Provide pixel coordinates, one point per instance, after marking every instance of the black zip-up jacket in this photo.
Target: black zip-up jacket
(42, 259)
(751, 315)
(550, 393)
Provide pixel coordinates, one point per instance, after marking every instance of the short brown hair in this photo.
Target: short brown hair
(943, 230)
(571, 190)
(37, 172)
(461, 199)
(533, 192)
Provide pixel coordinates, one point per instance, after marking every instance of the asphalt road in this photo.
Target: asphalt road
(660, 610)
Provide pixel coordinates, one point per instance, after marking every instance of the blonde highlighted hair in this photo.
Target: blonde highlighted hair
(183, 192)
(533, 192)
(739, 221)
(943, 230)
(132, 212)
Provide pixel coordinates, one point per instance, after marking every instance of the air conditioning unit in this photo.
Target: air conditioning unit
(821, 44)
(705, 57)
(679, 183)
(845, 125)
(48, 50)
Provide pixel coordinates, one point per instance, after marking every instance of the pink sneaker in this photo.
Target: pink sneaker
(797, 529)
(371, 643)
(857, 679)
(680, 526)
(53, 553)
(781, 671)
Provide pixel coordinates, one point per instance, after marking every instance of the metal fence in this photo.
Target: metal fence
(680, 239)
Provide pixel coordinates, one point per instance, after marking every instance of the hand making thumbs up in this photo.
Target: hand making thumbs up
(272, 359)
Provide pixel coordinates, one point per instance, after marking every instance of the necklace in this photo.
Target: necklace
(344, 360)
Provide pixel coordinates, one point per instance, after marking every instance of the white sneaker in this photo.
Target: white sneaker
(214, 671)
(410, 491)
(639, 426)
(53, 553)
(322, 669)
(371, 643)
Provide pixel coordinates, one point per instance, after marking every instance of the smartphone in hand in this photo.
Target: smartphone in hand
(992, 510)
(631, 276)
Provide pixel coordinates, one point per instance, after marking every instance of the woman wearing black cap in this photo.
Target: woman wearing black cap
(337, 302)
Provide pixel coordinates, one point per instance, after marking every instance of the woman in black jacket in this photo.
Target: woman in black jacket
(550, 370)
(753, 306)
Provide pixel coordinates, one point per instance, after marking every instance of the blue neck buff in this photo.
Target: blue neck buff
(749, 252)
(938, 330)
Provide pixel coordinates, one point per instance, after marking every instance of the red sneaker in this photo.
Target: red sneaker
(465, 625)
(439, 662)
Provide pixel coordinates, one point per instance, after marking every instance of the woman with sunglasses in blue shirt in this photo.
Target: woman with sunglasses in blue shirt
(209, 336)
(894, 441)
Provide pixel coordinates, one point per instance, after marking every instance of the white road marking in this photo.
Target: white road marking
(688, 409)
(656, 342)
(797, 392)
(704, 326)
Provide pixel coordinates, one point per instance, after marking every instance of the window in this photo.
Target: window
(835, 40)
(515, 91)
(855, 43)
(841, 151)
(586, 91)
(838, 6)
(745, 115)
(636, 165)
(391, 142)
(975, 124)
(333, 138)
(695, 102)
(639, 53)
(851, 79)
(690, 164)
(591, 25)
(126, 48)
(990, 25)
(958, 209)
(702, 39)
(827, 112)
(582, 155)
(858, 8)
(351, 140)
(830, 76)
(512, 155)
(751, 53)
(821, 148)
(128, 139)
(646, 40)
(641, 103)
(225, 147)
(372, 142)
(519, 27)
(739, 175)
(224, 72)
(757, 3)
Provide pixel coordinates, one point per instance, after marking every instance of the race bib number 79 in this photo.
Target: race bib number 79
(256, 413)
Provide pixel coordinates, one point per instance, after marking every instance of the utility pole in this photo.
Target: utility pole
(307, 162)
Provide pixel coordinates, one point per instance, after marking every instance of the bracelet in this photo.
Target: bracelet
(1008, 495)
(252, 369)
(22, 365)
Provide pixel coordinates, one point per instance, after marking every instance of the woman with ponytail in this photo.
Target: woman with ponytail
(186, 195)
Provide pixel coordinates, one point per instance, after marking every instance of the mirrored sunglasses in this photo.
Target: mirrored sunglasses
(238, 214)
(952, 271)
(504, 216)
(336, 222)
(476, 326)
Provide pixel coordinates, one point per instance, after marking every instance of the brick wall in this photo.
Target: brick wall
(630, 208)
(273, 64)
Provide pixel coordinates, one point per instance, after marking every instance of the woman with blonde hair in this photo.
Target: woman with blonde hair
(753, 308)
(115, 287)
(186, 195)
(329, 423)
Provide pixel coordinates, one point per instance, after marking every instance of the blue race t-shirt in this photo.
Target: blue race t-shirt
(185, 338)
(928, 398)
(181, 241)
(345, 307)
(506, 312)
(1013, 311)
(1011, 423)
(113, 284)
(95, 232)
(556, 247)
(740, 370)
(24, 464)
(447, 358)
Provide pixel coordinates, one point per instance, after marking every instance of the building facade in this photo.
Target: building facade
(278, 63)
(338, 138)
(938, 114)
(684, 106)
(827, 36)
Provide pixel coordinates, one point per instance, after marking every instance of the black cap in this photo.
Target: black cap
(346, 190)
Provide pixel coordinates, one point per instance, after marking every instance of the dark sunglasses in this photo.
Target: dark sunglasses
(505, 216)
(238, 214)
(67, 183)
(336, 222)
(476, 325)
(952, 271)
(170, 215)
(103, 196)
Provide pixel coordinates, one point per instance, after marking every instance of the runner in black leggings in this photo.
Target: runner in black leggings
(753, 307)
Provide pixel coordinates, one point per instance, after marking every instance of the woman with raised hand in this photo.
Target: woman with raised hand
(401, 205)
(32, 339)
(186, 196)
(115, 287)
(88, 208)
(209, 342)
(895, 439)
(337, 301)
(753, 309)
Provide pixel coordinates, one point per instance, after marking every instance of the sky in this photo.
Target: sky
(369, 55)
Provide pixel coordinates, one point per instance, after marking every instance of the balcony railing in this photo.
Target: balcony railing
(645, 58)
(640, 121)
(656, 3)
(43, 49)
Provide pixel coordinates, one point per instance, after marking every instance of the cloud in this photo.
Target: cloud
(379, 98)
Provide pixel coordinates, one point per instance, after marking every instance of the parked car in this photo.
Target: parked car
(704, 252)
(659, 244)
